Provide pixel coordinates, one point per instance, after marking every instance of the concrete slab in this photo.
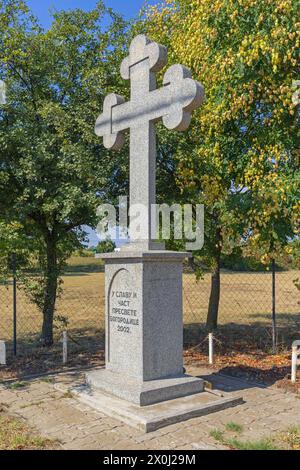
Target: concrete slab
(152, 417)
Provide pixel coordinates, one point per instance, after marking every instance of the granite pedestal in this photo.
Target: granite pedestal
(144, 329)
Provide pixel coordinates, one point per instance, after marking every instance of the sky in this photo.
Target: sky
(128, 8)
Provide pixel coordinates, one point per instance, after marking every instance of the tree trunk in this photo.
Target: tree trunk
(214, 299)
(51, 284)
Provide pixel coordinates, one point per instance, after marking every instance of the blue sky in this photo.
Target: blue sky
(128, 8)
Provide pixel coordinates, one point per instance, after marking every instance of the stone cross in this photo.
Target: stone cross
(173, 103)
(143, 282)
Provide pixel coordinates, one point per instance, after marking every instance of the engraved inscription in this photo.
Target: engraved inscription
(123, 321)
(123, 310)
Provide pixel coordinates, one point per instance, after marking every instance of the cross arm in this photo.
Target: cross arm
(184, 96)
(173, 103)
(104, 124)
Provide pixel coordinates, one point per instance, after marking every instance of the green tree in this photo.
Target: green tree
(242, 140)
(53, 170)
(105, 246)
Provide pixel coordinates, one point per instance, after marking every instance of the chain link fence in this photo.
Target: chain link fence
(245, 312)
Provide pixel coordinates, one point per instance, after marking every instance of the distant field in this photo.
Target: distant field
(86, 264)
(245, 299)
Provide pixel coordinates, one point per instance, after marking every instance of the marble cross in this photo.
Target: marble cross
(173, 103)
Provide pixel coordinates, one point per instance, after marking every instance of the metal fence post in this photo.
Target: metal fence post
(65, 346)
(211, 348)
(274, 328)
(14, 268)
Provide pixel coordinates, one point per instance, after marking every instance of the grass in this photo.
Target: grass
(15, 435)
(261, 444)
(17, 385)
(238, 444)
(286, 440)
(234, 427)
(217, 435)
(245, 299)
(85, 264)
(292, 437)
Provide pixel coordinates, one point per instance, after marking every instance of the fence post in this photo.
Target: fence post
(2, 353)
(274, 327)
(210, 348)
(14, 268)
(295, 354)
(65, 346)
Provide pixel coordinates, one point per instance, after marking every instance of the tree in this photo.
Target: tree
(274, 237)
(242, 141)
(54, 171)
(105, 246)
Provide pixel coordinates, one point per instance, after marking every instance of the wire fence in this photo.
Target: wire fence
(245, 310)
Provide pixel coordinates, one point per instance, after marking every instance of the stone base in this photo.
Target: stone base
(152, 417)
(143, 393)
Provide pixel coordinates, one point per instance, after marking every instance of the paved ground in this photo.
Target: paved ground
(58, 415)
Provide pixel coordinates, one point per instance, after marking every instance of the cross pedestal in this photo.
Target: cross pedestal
(144, 331)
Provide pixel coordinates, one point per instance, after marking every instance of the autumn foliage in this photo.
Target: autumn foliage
(241, 157)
